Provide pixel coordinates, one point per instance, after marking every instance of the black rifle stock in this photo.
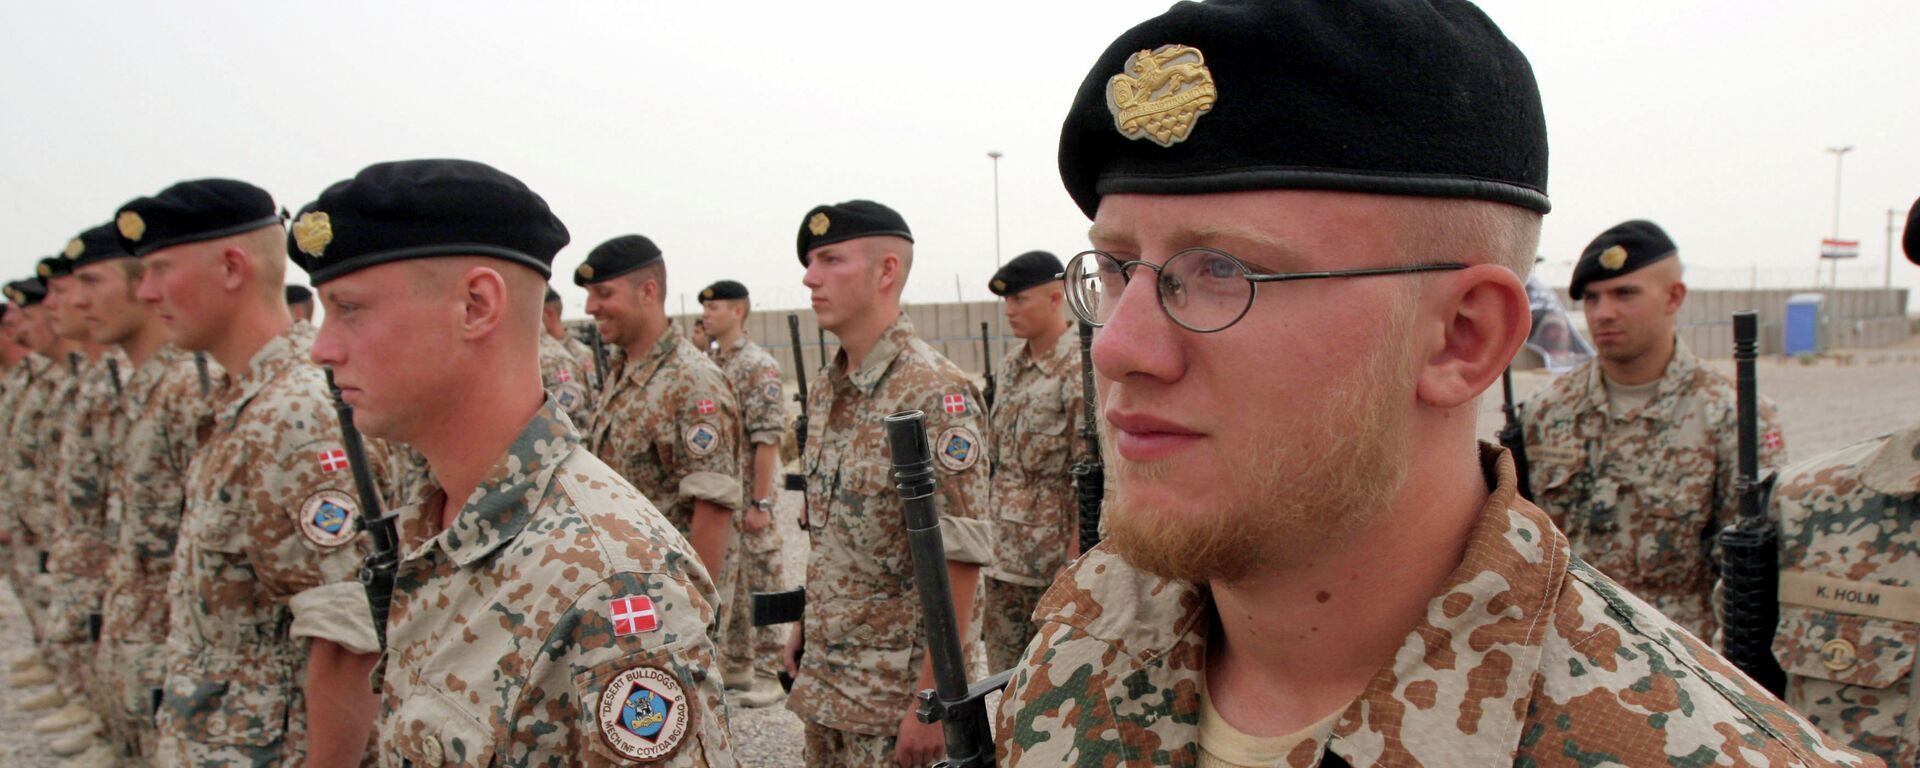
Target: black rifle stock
(200, 364)
(1750, 547)
(986, 362)
(599, 355)
(1090, 475)
(959, 708)
(377, 573)
(1514, 435)
(113, 375)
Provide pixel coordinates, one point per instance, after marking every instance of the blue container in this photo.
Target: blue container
(1803, 324)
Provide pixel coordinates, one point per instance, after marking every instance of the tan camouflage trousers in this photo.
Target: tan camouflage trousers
(128, 672)
(833, 748)
(30, 585)
(1008, 623)
(758, 568)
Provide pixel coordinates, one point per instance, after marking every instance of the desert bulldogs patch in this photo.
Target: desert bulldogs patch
(957, 449)
(645, 714)
(327, 518)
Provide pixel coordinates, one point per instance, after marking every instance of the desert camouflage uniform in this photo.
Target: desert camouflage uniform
(27, 518)
(583, 355)
(864, 639)
(1527, 657)
(1641, 497)
(669, 425)
(504, 647)
(1035, 422)
(755, 379)
(265, 562)
(1850, 593)
(78, 553)
(161, 414)
(563, 375)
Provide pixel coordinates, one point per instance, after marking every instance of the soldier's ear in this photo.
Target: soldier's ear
(483, 292)
(1467, 326)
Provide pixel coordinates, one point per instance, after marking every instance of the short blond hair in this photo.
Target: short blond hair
(1471, 231)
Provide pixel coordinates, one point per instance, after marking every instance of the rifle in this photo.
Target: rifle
(599, 355)
(1750, 547)
(770, 608)
(1089, 475)
(377, 573)
(1514, 435)
(986, 360)
(820, 335)
(200, 364)
(113, 375)
(961, 709)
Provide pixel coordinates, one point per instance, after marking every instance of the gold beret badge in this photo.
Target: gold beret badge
(15, 296)
(43, 271)
(1161, 93)
(75, 247)
(585, 271)
(818, 223)
(706, 294)
(313, 232)
(1614, 257)
(999, 285)
(131, 226)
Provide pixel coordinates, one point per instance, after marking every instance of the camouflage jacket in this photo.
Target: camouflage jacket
(87, 427)
(582, 354)
(863, 630)
(669, 425)
(1641, 497)
(29, 493)
(266, 560)
(161, 414)
(563, 375)
(1527, 657)
(1035, 422)
(558, 621)
(1850, 593)
(755, 379)
(17, 383)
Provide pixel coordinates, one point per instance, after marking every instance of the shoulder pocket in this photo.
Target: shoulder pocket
(648, 706)
(1845, 648)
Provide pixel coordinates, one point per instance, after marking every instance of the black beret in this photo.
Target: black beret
(1025, 271)
(1623, 249)
(1910, 240)
(725, 289)
(553, 296)
(28, 292)
(829, 224)
(97, 244)
(52, 267)
(614, 258)
(414, 209)
(192, 211)
(298, 294)
(1381, 96)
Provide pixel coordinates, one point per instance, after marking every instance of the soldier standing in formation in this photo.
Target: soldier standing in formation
(582, 354)
(864, 644)
(1035, 422)
(159, 413)
(1385, 598)
(300, 303)
(271, 640)
(544, 612)
(1850, 585)
(562, 372)
(755, 379)
(665, 420)
(28, 422)
(1634, 453)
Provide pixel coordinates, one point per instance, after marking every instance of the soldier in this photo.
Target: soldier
(300, 303)
(865, 646)
(1308, 560)
(28, 422)
(1633, 454)
(666, 420)
(1035, 421)
(755, 379)
(562, 371)
(551, 616)
(270, 641)
(1850, 585)
(153, 436)
(550, 319)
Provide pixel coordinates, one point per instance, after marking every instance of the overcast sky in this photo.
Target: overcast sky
(712, 127)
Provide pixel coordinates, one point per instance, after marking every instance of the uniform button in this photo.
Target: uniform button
(216, 726)
(863, 633)
(431, 753)
(1837, 654)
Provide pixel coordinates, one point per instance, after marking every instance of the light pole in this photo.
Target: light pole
(1886, 281)
(1839, 155)
(994, 154)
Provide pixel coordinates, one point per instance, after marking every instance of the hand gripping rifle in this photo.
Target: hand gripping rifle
(376, 575)
(986, 361)
(959, 708)
(771, 608)
(1514, 435)
(1090, 475)
(1750, 547)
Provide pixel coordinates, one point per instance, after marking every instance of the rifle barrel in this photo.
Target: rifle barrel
(377, 574)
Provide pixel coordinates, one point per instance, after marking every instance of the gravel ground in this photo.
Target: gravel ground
(1838, 400)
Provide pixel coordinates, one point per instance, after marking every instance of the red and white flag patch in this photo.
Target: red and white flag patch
(633, 615)
(563, 375)
(1773, 440)
(704, 407)
(954, 403)
(333, 461)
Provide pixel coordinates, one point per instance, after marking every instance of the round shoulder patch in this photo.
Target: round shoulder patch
(569, 395)
(771, 391)
(957, 449)
(327, 518)
(645, 714)
(702, 438)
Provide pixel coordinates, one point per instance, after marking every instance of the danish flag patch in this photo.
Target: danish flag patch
(633, 615)
(954, 403)
(1773, 440)
(704, 407)
(333, 461)
(563, 375)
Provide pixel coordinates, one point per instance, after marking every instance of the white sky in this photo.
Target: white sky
(712, 127)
